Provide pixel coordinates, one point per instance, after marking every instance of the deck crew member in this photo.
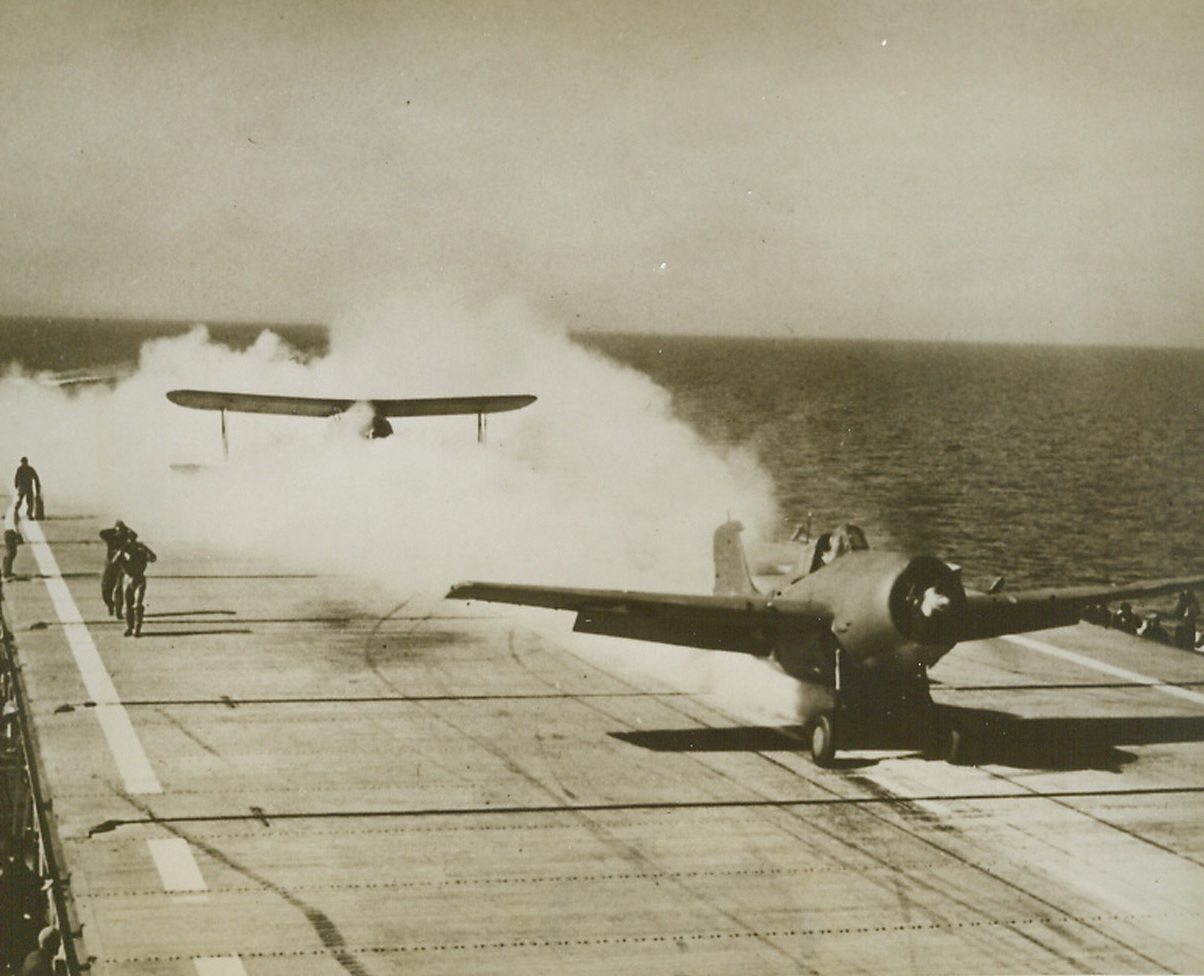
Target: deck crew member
(1152, 629)
(12, 538)
(1126, 620)
(28, 485)
(134, 557)
(1187, 607)
(40, 962)
(1187, 612)
(115, 539)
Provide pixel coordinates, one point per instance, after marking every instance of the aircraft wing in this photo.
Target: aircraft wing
(300, 406)
(745, 624)
(446, 406)
(995, 614)
(259, 403)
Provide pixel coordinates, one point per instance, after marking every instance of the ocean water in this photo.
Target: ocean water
(1047, 465)
(85, 345)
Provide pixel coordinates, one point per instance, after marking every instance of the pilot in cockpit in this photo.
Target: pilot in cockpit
(832, 545)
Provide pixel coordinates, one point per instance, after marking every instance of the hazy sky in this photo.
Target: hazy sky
(996, 170)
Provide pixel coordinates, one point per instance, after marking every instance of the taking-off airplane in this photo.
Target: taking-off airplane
(864, 625)
(379, 426)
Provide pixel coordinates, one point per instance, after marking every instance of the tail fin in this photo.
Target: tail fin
(731, 568)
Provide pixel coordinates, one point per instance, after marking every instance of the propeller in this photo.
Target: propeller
(927, 596)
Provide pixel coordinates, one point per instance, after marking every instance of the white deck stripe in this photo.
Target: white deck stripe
(1125, 675)
(178, 868)
(124, 744)
(219, 966)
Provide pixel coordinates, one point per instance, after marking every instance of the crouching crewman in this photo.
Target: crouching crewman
(135, 556)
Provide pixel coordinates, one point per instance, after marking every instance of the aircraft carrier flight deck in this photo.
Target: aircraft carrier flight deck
(290, 774)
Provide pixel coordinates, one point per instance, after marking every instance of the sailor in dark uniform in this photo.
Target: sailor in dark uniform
(12, 537)
(110, 581)
(1187, 612)
(29, 487)
(1152, 629)
(134, 557)
(1125, 619)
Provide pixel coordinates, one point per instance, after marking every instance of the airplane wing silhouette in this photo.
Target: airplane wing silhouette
(752, 624)
(745, 624)
(996, 614)
(300, 406)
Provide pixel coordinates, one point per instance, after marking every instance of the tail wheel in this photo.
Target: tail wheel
(823, 741)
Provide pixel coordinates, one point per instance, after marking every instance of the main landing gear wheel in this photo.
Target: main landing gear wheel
(823, 741)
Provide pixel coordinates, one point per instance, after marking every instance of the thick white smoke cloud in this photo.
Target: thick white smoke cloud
(595, 484)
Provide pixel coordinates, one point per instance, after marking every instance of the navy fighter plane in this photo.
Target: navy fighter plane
(379, 426)
(864, 625)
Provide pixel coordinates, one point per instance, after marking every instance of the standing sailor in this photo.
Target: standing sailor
(28, 485)
(1187, 612)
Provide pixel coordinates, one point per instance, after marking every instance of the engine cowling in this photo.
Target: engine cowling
(888, 610)
(925, 600)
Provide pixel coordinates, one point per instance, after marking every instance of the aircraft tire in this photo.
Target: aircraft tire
(823, 741)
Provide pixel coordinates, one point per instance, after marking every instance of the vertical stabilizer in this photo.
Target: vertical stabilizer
(731, 568)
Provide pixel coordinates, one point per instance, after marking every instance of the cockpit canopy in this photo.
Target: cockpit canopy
(834, 544)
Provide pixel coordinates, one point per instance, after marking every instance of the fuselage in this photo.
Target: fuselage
(890, 611)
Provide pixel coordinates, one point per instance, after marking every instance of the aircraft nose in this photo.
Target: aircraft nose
(925, 598)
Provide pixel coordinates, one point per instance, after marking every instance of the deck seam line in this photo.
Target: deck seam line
(432, 812)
